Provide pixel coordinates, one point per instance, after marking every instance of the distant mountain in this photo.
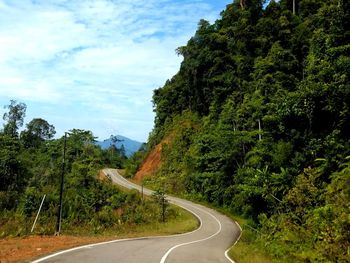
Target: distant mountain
(130, 146)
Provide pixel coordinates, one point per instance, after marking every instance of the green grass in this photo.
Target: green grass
(247, 249)
(182, 222)
(179, 221)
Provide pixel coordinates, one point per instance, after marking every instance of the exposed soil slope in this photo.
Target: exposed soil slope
(152, 162)
(23, 248)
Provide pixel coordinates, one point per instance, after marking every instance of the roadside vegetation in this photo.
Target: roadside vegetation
(259, 121)
(31, 164)
(246, 249)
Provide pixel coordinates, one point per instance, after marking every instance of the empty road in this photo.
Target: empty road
(206, 244)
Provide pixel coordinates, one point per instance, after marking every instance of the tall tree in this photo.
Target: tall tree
(14, 118)
(12, 171)
(37, 131)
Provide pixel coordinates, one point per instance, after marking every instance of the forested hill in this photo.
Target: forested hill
(259, 122)
(125, 144)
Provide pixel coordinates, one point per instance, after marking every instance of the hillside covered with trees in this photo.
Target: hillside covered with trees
(258, 118)
(31, 163)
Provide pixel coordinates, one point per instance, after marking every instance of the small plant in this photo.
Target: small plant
(160, 198)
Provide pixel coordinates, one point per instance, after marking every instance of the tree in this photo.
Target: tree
(281, 71)
(113, 146)
(14, 118)
(115, 139)
(38, 130)
(12, 172)
(160, 198)
(80, 142)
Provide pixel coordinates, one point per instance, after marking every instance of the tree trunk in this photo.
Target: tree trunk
(242, 2)
(293, 7)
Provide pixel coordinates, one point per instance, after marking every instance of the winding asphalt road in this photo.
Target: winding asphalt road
(208, 243)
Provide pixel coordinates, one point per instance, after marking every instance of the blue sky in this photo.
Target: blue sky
(93, 64)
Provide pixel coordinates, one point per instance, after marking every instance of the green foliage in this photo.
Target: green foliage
(38, 130)
(14, 118)
(315, 224)
(114, 157)
(133, 163)
(30, 167)
(160, 199)
(12, 171)
(270, 93)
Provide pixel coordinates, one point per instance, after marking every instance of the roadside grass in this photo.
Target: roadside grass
(247, 250)
(18, 245)
(180, 222)
(183, 222)
(177, 221)
(27, 247)
(122, 172)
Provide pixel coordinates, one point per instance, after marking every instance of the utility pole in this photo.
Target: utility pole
(163, 208)
(142, 192)
(59, 212)
(259, 129)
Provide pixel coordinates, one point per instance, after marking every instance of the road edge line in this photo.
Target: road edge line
(239, 237)
(121, 240)
(173, 202)
(84, 246)
(195, 241)
(188, 243)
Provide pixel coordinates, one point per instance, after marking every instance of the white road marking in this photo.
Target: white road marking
(200, 220)
(195, 241)
(90, 246)
(240, 234)
(176, 202)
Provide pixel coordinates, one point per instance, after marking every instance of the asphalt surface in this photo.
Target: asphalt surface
(206, 244)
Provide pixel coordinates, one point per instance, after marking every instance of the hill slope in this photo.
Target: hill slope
(265, 97)
(130, 146)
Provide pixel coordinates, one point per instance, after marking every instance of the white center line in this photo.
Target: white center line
(195, 241)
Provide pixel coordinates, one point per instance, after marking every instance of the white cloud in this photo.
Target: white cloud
(105, 56)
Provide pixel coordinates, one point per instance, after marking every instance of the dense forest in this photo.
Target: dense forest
(31, 163)
(257, 120)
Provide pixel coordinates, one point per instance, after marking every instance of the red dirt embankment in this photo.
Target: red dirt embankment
(26, 248)
(22, 249)
(152, 162)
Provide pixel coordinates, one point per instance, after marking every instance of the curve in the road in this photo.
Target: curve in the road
(208, 243)
(195, 241)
